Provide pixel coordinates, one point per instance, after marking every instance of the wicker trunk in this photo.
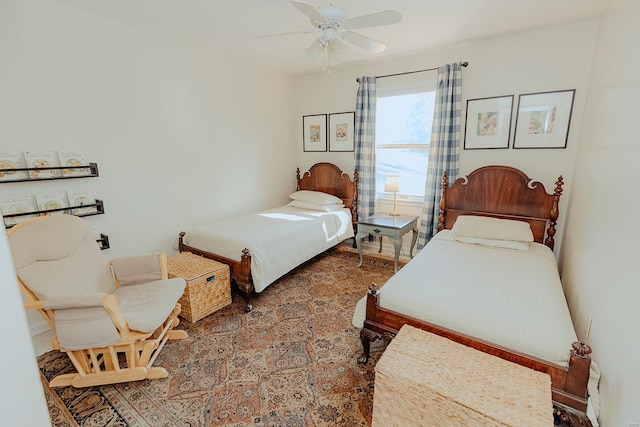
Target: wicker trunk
(208, 284)
(426, 380)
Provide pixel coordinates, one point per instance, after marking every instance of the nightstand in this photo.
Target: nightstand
(393, 227)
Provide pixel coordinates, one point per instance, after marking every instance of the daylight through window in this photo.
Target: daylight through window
(404, 118)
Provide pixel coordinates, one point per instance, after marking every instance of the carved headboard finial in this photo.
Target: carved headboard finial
(559, 184)
(373, 289)
(581, 349)
(553, 215)
(443, 190)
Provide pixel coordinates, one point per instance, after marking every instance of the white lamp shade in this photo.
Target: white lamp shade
(392, 184)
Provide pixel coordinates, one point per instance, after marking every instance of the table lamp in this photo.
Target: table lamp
(392, 185)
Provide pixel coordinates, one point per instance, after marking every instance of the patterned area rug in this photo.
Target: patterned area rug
(290, 362)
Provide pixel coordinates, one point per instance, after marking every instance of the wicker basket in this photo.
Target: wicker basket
(208, 287)
(426, 380)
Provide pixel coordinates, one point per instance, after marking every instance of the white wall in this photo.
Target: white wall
(181, 136)
(23, 402)
(554, 58)
(599, 253)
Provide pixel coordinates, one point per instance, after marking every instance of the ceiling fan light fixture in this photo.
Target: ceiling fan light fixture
(337, 49)
(316, 50)
(335, 26)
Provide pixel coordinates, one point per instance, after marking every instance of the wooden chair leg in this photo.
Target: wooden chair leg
(103, 366)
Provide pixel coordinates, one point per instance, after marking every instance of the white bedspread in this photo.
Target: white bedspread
(507, 297)
(278, 239)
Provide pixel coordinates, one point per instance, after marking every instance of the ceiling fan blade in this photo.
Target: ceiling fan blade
(365, 43)
(309, 10)
(375, 19)
(288, 33)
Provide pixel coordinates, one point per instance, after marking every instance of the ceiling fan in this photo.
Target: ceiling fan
(334, 26)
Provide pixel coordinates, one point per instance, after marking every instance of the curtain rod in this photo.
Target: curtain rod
(462, 63)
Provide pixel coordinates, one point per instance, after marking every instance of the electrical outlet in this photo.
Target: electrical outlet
(587, 331)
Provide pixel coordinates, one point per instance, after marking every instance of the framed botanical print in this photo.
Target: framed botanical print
(314, 132)
(341, 128)
(488, 123)
(543, 119)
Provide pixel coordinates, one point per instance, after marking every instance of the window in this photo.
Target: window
(404, 116)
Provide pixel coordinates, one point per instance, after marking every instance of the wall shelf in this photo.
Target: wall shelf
(93, 172)
(80, 211)
(99, 205)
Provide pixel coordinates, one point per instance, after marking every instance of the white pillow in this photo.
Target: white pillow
(509, 244)
(316, 197)
(483, 227)
(315, 206)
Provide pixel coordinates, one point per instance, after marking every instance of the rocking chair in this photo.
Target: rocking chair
(111, 319)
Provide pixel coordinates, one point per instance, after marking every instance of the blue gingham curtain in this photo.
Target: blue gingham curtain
(445, 146)
(365, 149)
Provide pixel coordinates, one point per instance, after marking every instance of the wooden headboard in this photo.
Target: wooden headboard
(502, 192)
(328, 178)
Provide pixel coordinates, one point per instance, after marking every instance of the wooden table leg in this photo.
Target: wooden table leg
(414, 238)
(397, 244)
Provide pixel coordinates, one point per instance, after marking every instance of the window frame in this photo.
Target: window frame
(406, 85)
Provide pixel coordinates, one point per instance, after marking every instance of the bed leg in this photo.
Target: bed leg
(367, 336)
(247, 293)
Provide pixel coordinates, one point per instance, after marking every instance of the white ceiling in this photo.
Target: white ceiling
(231, 26)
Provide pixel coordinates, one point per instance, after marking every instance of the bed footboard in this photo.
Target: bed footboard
(568, 384)
(240, 271)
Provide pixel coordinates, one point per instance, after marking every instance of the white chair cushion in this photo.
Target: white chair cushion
(59, 260)
(133, 270)
(75, 301)
(72, 325)
(146, 306)
(77, 265)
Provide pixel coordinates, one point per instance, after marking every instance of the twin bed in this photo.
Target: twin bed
(489, 280)
(488, 286)
(259, 248)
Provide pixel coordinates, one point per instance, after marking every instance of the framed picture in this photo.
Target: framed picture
(314, 132)
(488, 123)
(341, 128)
(543, 119)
